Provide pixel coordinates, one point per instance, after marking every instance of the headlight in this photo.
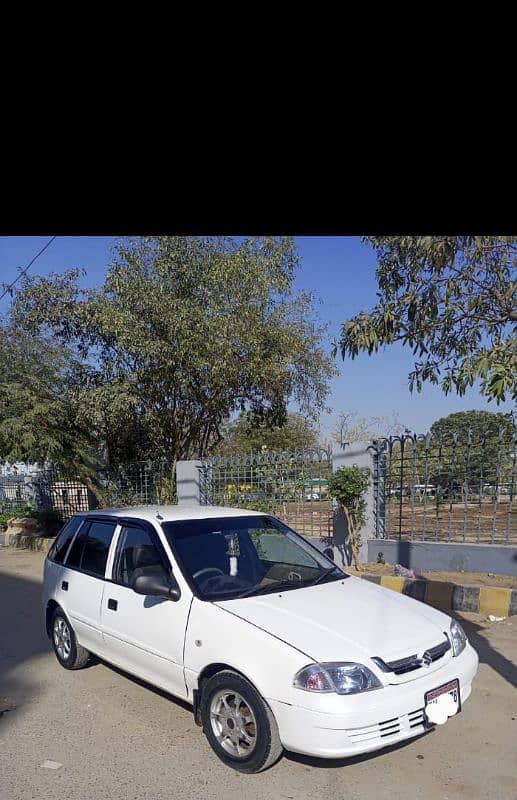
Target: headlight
(458, 638)
(341, 677)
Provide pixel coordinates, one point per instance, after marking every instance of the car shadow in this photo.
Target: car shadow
(22, 639)
(95, 661)
(487, 654)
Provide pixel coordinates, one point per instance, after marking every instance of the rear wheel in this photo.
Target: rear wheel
(68, 651)
(239, 725)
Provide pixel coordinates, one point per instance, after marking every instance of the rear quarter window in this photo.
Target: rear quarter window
(59, 549)
(89, 552)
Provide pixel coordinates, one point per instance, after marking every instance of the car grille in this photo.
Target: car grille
(388, 728)
(410, 663)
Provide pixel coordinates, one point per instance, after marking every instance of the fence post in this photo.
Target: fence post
(188, 482)
(356, 454)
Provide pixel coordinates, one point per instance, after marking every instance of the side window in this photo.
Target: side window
(58, 550)
(90, 550)
(137, 550)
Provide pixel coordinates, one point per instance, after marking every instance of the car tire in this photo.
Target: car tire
(245, 712)
(69, 653)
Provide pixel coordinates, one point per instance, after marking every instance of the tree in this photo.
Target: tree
(472, 447)
(242, 436)
(460, 455)
(183, 333)
(452, 299)
(39, 419)
(354, 428)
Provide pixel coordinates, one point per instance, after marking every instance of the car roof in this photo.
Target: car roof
(171, 513)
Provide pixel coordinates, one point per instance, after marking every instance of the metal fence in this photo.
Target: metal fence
(291, 485)
(15, 493)
(136, 483)
(447, 489)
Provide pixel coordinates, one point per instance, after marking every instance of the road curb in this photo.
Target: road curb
(453, 596)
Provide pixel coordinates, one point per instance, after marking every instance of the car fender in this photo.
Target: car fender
(217, 636)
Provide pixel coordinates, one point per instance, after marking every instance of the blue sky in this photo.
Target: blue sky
(340, 270)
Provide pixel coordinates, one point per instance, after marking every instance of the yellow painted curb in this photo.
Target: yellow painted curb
(439, 594)
(392, 582)
(494, 601)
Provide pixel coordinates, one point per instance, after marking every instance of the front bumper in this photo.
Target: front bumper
(371, 721)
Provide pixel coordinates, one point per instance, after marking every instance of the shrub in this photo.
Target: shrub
(51, 521)
(347, 485)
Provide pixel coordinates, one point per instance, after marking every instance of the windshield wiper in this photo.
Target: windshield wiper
(322, 575)
(271, 587)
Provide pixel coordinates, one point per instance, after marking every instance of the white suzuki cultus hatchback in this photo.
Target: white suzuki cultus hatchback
(272, 644)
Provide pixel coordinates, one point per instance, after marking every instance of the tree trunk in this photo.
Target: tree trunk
(91, 485)
(352, 537)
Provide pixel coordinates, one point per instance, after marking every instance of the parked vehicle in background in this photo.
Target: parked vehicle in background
(317, 489)
(422, 490)
(270, 642)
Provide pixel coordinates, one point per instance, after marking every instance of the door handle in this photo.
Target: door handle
(64, 586)
(112, 604)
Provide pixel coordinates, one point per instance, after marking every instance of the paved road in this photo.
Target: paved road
(118, 738)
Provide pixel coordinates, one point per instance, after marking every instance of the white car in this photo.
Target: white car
(270, 642)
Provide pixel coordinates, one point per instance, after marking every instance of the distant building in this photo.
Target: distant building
(19, 468)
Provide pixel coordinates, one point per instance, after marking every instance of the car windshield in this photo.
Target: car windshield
(229, 557)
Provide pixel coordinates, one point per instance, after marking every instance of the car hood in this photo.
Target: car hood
(347, 620)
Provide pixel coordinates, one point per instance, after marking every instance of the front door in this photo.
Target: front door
(144, 635)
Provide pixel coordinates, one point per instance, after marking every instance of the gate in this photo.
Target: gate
(449, 488)
(290, 485)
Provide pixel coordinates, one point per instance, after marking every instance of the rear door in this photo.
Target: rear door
(82, 580)
(144, 635)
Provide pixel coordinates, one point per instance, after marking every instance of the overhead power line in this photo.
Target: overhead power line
(25, 269)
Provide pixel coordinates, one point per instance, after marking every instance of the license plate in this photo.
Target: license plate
(442, 702)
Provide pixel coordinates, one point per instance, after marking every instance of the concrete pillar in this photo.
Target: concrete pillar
(188, 483)
(356, 454)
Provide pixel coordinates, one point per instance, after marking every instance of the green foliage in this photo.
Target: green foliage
(482, 450)
(245, 435)
(39, 418)
(452, 299)
(265, 506)
(479, 423)
(5, 516)
(49, 519)
(183, 333)
(348, 485)
(462, 454)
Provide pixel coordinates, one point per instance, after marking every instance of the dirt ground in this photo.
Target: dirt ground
(465, 578)
(113, 737)
(457, 522)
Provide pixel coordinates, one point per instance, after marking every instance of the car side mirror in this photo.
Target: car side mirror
(157, 586)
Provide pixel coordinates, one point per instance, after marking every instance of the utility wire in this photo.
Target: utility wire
(25, 269)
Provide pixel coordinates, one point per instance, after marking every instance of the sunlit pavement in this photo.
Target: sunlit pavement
(97, 733)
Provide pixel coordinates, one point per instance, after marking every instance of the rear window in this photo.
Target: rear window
(59, 549)
(90, 550)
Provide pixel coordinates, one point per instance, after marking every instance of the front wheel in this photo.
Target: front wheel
(239, 725)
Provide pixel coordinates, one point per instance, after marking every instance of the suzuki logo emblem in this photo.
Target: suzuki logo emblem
(426, 658)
